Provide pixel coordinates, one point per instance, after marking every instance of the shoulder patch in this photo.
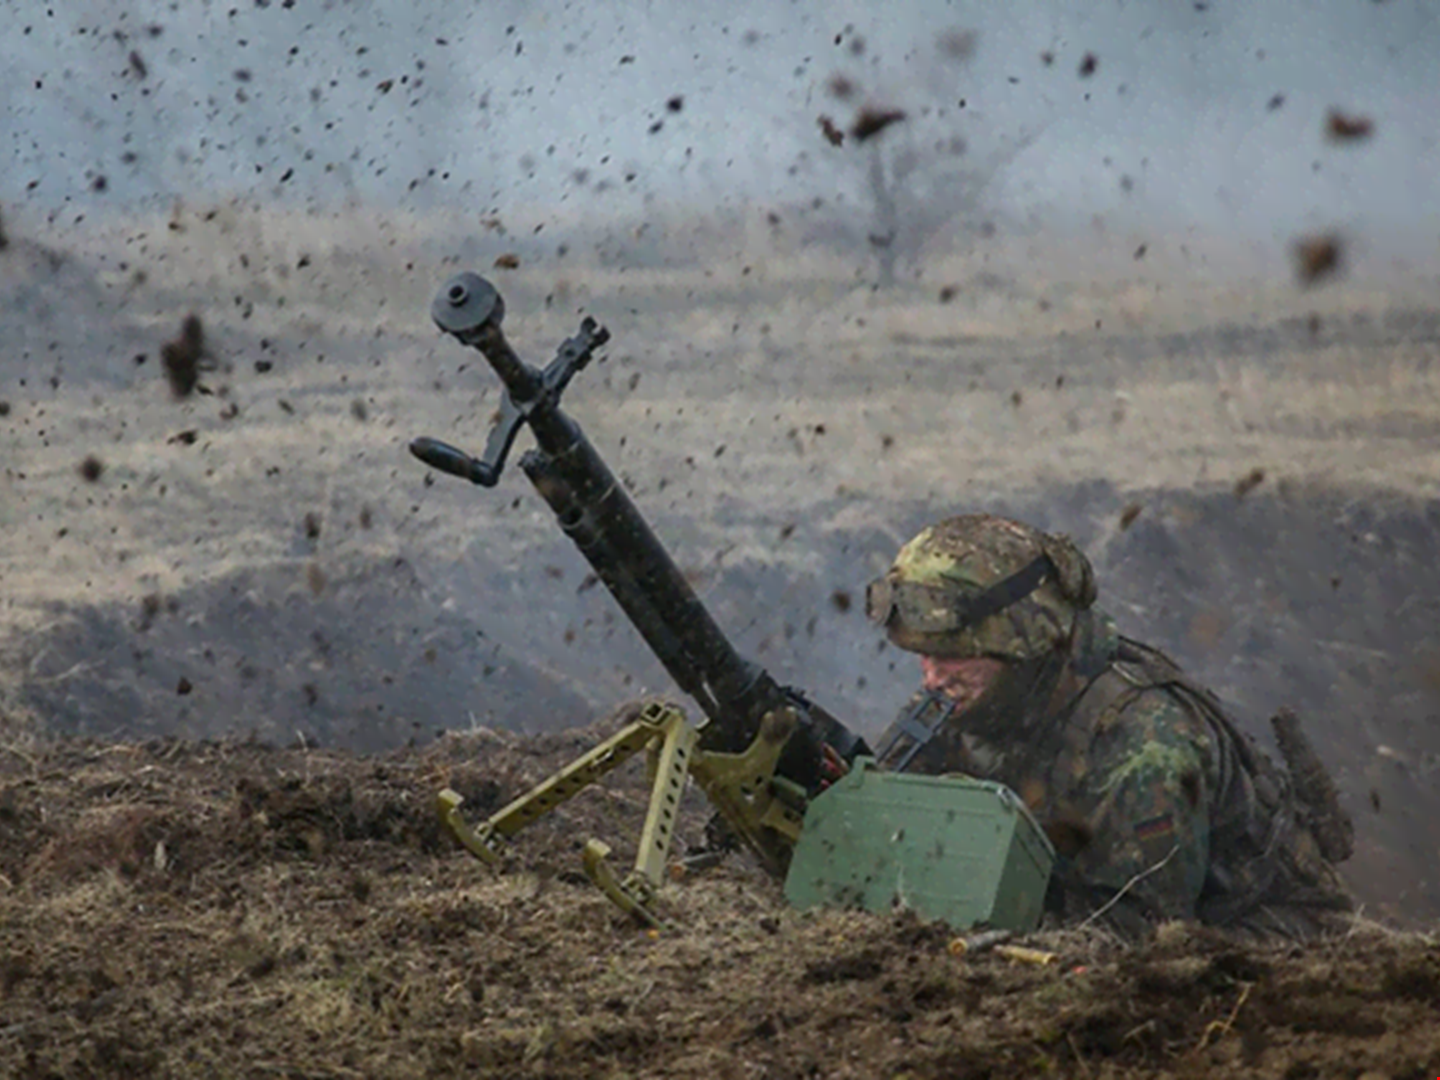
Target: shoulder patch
(1155, 828)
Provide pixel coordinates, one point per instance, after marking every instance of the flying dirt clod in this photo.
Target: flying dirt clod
(185, 357)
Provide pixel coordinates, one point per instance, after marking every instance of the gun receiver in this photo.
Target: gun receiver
(594, 510)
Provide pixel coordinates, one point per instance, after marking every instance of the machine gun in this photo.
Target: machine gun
(762, 751)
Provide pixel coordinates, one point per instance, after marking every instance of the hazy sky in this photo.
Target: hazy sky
(1207, 114)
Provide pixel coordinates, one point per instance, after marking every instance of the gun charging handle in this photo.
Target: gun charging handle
(470, 309)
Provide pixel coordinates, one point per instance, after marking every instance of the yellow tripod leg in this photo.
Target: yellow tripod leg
(766, 811)
(630, 895)
(485, 841)
(671, 757)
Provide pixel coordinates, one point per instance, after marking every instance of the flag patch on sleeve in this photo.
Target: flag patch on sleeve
(1155, 828)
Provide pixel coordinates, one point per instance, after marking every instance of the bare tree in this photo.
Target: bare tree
(917, 192)
(919, 174)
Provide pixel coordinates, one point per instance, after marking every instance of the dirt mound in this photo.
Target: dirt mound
(365, 657)
(170, 908)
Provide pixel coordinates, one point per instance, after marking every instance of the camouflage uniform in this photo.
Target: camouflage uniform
(1145, 785)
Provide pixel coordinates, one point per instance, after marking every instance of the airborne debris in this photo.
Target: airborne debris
(841, 86)
(957, 44)
(840, 601)
(1089, 64)
(137, 64)
(675, 103)
(184, 686)
(1249, 482)
(1343, 127)
(4, 240)
(91, 468)
(1317, 257)
(948, 293)
(1129, 514)
(149, 608)
(183, 438)
(833, 135)
(184, 357)
(508, 261)
(871, 121)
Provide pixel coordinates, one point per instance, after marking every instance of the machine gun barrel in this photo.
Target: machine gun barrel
(597, 514)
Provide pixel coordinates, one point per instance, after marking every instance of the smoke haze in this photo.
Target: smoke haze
(1192, 116)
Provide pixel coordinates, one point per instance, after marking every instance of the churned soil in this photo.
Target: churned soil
(233, 909)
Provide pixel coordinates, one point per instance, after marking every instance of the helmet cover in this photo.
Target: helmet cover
(982, 585)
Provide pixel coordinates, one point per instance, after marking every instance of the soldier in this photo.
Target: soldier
(1158, 805)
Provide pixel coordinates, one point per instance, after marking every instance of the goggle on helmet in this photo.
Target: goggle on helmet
(1019, 616)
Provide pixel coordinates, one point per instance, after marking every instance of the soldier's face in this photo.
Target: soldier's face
(962, 681)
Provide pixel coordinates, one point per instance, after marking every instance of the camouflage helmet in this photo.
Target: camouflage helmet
(981, 585)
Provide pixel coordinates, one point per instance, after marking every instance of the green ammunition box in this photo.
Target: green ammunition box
(964, 851)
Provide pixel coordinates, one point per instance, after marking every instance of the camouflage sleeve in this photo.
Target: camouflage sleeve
(1144, 798)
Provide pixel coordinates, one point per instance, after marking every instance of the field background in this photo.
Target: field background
(1253, 466)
